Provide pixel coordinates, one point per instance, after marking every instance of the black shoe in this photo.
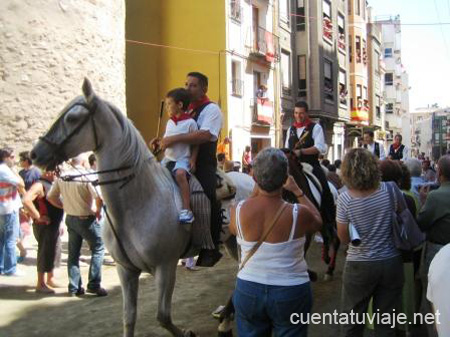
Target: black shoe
(208, 257)
(79, 292)
(99, 291)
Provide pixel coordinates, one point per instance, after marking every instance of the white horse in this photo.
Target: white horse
(142, 233)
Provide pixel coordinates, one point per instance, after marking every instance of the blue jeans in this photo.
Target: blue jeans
(261, 309)
(89, 229)
(9, 232)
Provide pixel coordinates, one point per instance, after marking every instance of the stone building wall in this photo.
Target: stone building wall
(47, 47)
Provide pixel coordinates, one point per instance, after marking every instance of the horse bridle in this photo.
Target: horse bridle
(60, 155)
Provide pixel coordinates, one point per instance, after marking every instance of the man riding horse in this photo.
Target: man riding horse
(307, 140)
(209, 120)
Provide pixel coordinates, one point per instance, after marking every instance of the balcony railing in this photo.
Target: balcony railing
(262, 112)
(265, 44)
(328, 28)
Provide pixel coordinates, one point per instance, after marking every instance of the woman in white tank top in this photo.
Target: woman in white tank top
(273, 283)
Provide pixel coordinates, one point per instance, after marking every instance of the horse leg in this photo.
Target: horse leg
(225, 326)
(335, 244)
(165, 276)
(129, 281)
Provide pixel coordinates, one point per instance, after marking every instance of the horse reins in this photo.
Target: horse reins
(57, 147)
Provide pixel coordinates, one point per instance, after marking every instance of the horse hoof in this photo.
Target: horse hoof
(328, 277)
(189, 333)
(225, 333)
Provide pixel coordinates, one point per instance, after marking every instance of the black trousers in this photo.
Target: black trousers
(206, 175)
(49, 246)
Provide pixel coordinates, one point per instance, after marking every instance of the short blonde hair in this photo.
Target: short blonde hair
(360, 170)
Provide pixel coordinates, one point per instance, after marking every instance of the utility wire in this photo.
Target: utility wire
(442, 31)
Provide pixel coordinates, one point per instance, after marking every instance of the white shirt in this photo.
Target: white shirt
(179, 150)
(437, 293)
(371, 148)
(317, 135)
(210, 119)
(9, 196)
(78, 195)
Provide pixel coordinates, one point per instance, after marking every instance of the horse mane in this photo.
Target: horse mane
(134, 149)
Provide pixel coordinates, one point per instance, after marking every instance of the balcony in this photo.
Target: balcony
(327, 28)
(264, 44)
(262, 112)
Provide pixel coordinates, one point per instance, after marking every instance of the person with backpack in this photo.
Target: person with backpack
(374, 147)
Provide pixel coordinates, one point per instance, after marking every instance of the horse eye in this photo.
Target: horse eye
(71, 118)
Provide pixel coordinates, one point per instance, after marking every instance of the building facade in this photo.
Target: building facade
(322, 67)
(396, 86)
(376, 70)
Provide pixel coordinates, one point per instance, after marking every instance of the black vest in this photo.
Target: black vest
(207, 151)
(307, 141)
(396, 155)
(376, 151)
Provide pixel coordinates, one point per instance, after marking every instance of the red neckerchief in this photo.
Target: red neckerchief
(395, 146)
(182, 117)
(195, 105)
(304, 124)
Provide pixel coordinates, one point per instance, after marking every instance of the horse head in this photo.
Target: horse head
(74, 131)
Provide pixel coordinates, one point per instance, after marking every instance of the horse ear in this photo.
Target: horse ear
(88, 91)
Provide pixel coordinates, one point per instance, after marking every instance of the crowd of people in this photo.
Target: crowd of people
(40, 199)
(273, 279)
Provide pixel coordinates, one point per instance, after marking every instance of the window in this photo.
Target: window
(235, 10)
(284, 11)
(358, 49)
(363, 9)
(364, 52)
(302, 87)
(377, 107)
(300, 21)
(388, 79)
(389, 108)
(328, 80)
(341, 32)
(358, 7)
(376, 61)
(388, 52)
(286, 70)
(327, 20)
(236, 82)
(327, 9)
(365, 99)
(342, 87)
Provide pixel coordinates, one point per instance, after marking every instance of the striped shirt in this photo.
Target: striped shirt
(372, 218)
(9, 195)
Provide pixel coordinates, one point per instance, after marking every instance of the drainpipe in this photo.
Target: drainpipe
(276, 81)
